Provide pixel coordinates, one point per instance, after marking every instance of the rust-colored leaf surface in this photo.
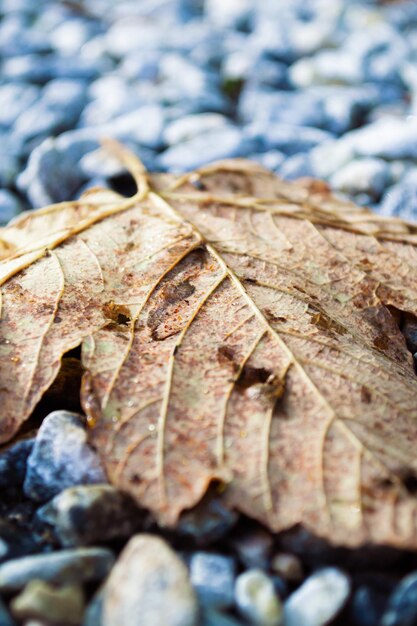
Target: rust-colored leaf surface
(233, 327)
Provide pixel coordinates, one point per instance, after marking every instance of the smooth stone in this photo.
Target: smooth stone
(370, 176)
(272, 160)
(144, 126)
(213, 577)
(69, 36)
(52, 173)
(297, 166)
(91, 514)
(15, 99)
(402, 605)
(256, 599)
(254, 548)
(110, 96)
(287, 566)
(387, 138)
(58, 109)
(327, 67)
(143, 67)
(100, 163)
(5, 617)
(287, 138)
(39, 600)
(190, 126)
(61, 457)
(41, 69)
(10, 206)
(284, 107)
(149, 585)
(231, 14)
(217, 144)
(331, 157)
(9, 159)
(400, 200)
(319, 599)
(66, 566)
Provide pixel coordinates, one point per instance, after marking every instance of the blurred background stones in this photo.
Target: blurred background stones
(306, 87)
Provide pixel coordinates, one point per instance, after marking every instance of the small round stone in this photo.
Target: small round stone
(256, 599)
(318, 600)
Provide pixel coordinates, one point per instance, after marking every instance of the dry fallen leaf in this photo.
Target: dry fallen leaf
(233, 327)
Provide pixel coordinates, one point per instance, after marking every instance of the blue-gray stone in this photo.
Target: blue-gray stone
(144, 126)
(318, 600)
(257, 600)
(218, 144)
(213, 577)
(61, 458)
(388, 138)
(9, 159)
(50, 176)
(66, 566)
(10, 206)
(365, 175)
(285, 107)
(15, 98)
(13, 461)
(15, 542)
(402, 605)
(272, 160)
(297, 166)
(190, 126)
(401, 201)
(58, 109)
(288, 139)
(40, 69)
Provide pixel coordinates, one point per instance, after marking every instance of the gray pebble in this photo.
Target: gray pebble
(91, 514)
(9, 160)
(15, 99)
(190, 126)
(217, 144)
(318, 600)
(50, 175)
(400, 200)
(58, 110)
(272, 160)
(149, 585)
(287, 138)
(67, 566)
(61, 457)
(257, 600)
(144, 126)
(10, 206)
(387, 138)
(213, 577)
(370, 176)
(402, 605)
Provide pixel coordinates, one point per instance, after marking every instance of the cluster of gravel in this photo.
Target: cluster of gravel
(307, 87)
(324, 88)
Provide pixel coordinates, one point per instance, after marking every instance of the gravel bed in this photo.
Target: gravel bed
(324, 88)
